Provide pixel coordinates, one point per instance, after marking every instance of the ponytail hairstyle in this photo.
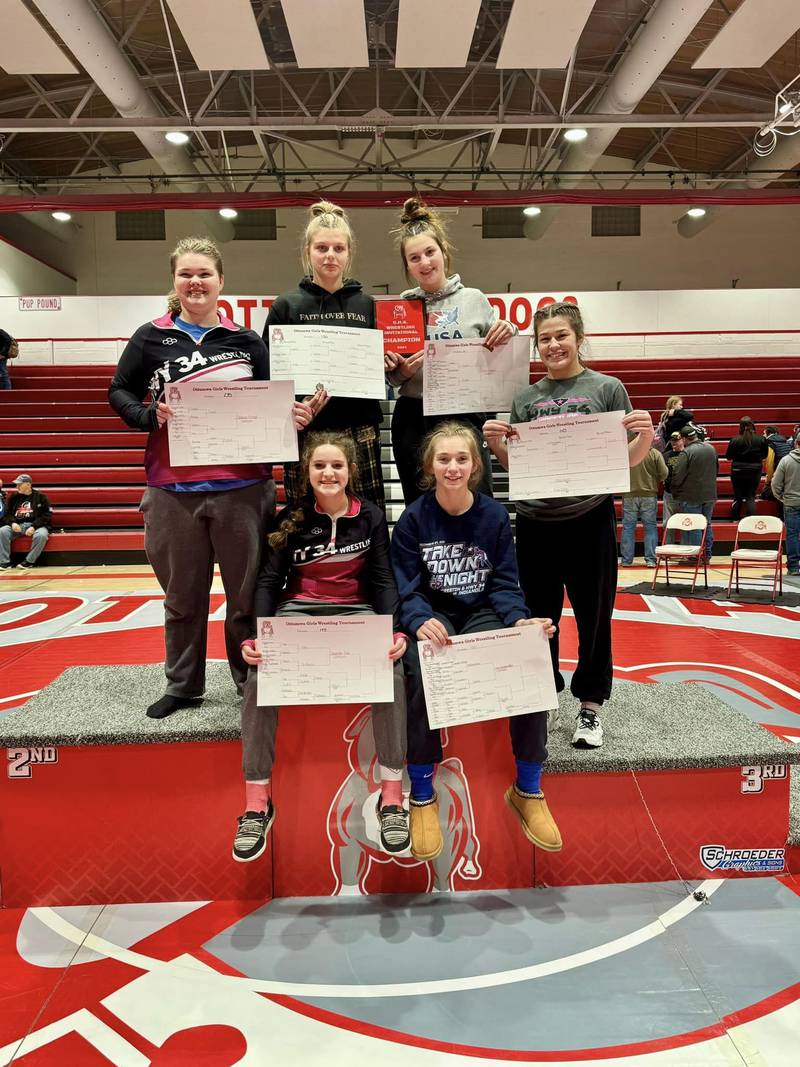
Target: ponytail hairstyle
(747, 428)
(198, 246)
(561, 310)
(670, 404)
(292, 518)
(417, 219)
(327, 216)
(451, 428)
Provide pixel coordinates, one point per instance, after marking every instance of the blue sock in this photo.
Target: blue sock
(529, 776)
(421, 775)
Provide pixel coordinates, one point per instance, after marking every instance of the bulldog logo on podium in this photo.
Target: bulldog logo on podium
(353, 822)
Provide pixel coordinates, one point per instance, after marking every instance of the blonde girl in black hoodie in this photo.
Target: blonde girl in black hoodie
(327, 295)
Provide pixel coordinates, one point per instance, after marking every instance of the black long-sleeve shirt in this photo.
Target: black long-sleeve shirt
(311, 305)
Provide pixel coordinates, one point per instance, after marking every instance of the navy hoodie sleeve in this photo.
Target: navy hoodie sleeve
(8, 512)
(130, 385)
(415, 608)
(505, 594)
(385, 600)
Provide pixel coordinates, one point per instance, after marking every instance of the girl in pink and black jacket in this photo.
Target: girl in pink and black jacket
(328, 556)
(194, 516)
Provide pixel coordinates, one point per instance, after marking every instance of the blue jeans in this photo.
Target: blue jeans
(37, 541)
(5, 381)
(635, 509)
(693, 537)
(791, 516)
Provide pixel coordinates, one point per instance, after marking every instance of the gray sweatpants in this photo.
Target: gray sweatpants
(183, 534)
(260, 724)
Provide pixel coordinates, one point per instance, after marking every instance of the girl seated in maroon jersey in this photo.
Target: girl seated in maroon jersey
(310, 568)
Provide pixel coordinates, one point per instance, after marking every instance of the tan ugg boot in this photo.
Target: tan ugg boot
(426, 833)
(538, 824)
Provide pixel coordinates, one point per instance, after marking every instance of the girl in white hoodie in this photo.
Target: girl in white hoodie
(452, 312)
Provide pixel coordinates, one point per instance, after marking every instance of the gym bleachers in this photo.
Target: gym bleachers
(56, 425)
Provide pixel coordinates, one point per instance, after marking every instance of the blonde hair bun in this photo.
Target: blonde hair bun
(325, 207)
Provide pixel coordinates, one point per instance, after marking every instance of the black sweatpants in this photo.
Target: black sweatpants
(579, 555)
(409, 429)
(528, 732)
(745, 480)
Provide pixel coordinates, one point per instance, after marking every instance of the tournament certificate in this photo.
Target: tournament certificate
(402, 323)
(339, 659)
(464, 376)
(569, 455)
(487, 676)
(230, 422)
(348, 361)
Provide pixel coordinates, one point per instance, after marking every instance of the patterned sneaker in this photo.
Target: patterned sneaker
(393, 821)
(251, 834)
(588, 730)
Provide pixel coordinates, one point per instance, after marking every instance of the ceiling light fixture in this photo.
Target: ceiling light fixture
(532, 211)
(177, 137)
(228, 212)
(696, 212)
(786, 121)
(575, 135)
(60, 216)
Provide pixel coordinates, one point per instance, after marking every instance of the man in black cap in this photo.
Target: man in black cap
(694, 483)
(673, 450)
(27, 515)
(9, 349)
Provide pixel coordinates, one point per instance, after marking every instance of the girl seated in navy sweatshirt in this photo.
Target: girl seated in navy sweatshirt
(329, 556)
(451, 521)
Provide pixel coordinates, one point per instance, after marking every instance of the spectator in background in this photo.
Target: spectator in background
(747, 452)
(778, 447)
(27, 514)
(694, 483)
(641, 504)
(674, 449)
(9, 349)
(786, 487)
(673, 418)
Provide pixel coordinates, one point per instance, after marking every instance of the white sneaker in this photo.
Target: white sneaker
(553, 720)
(588, 730)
